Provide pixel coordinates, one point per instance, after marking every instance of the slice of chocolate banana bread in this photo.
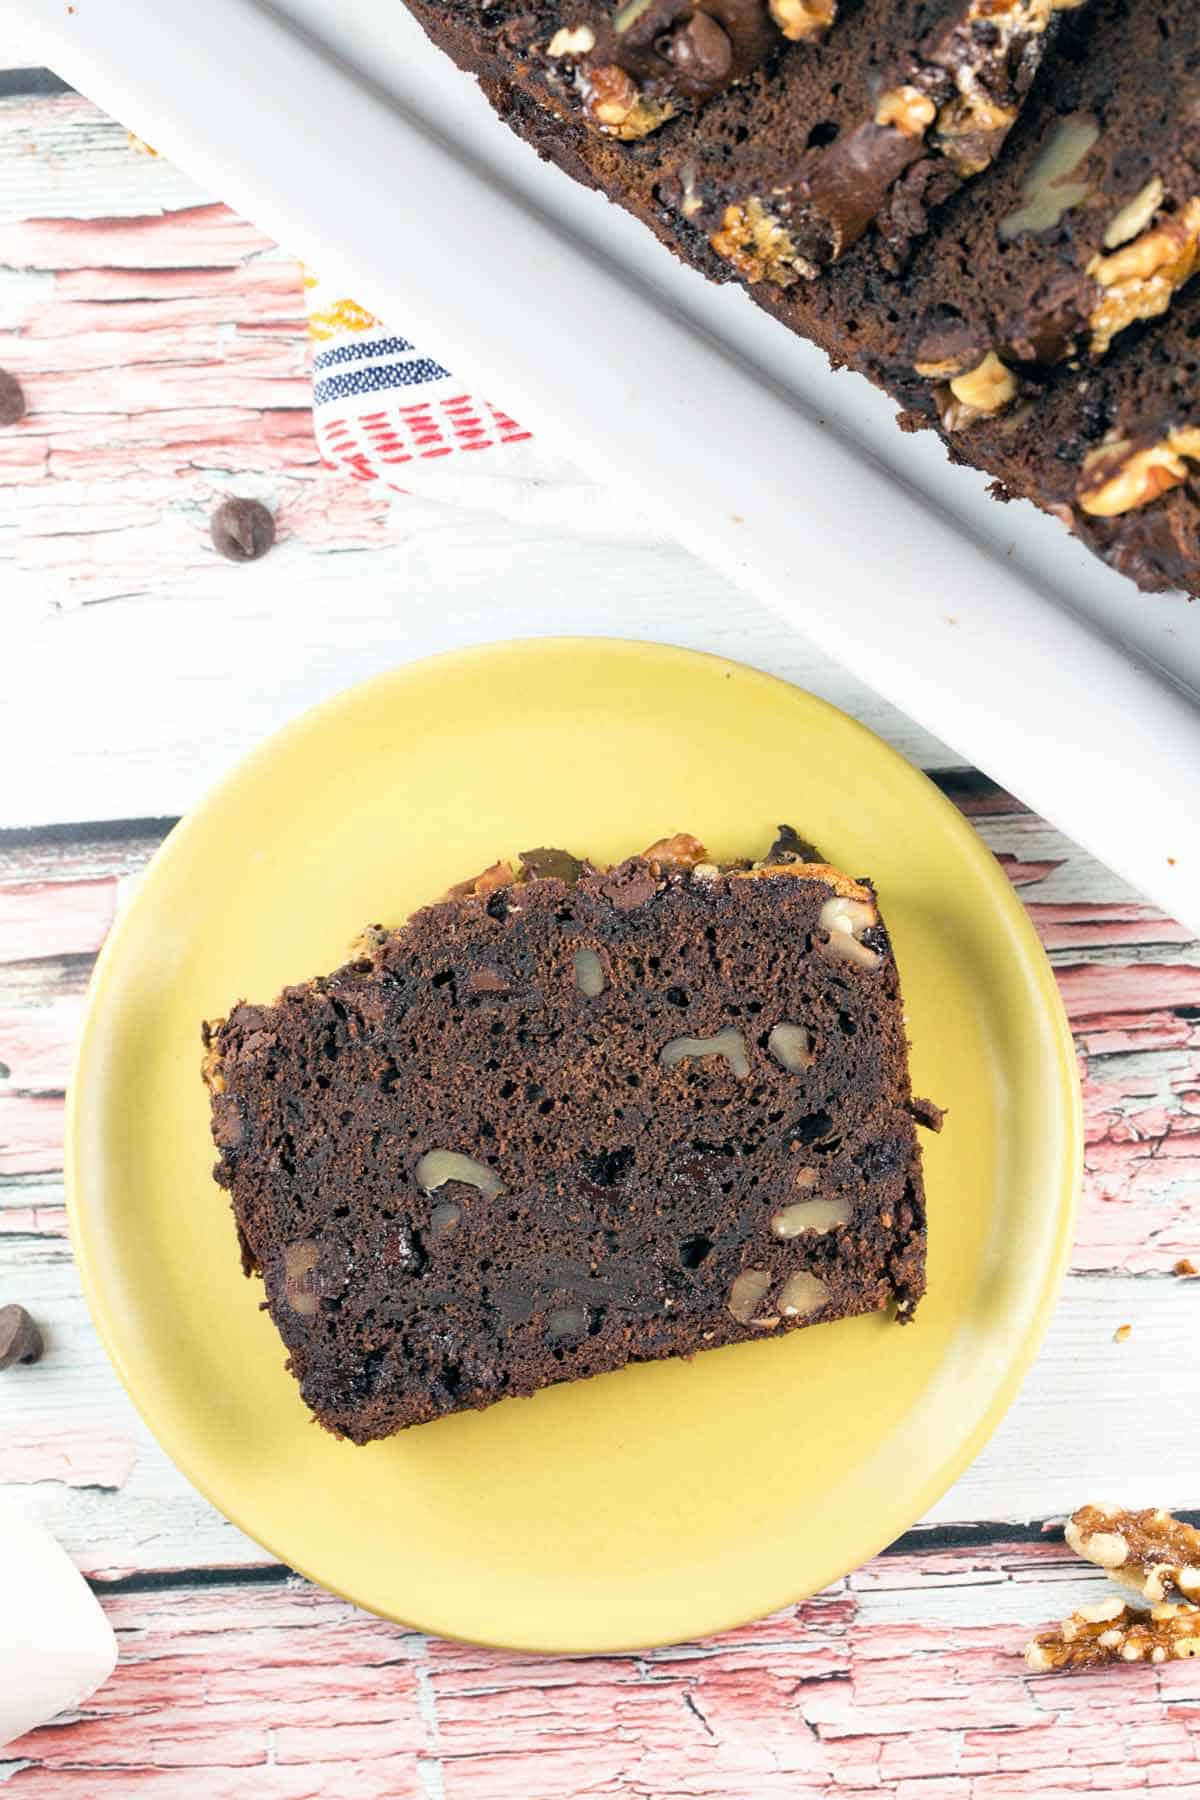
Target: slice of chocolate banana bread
(571, 1118)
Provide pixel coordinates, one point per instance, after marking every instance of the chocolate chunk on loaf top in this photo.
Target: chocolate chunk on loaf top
(570, 1118)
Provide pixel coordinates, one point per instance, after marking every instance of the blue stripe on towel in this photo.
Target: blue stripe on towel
(377, 380)
(360, 351)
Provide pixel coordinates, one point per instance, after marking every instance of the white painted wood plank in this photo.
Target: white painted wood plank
(155, 697)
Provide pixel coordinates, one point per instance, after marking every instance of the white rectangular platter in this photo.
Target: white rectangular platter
(341, 131)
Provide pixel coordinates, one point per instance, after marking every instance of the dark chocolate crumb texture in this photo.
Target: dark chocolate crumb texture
(570, 1118)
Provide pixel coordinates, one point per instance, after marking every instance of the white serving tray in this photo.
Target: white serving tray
(342, 132)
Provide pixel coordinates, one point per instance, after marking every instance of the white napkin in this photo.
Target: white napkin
(56, 1646)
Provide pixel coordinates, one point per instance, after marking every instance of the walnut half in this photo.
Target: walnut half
(1140, 280)
(1148, 1551)
(1117, 479)
(1114, 1632)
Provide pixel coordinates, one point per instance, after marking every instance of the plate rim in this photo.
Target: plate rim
(1068, 1172)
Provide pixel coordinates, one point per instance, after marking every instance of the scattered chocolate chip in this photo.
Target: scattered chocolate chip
(242, 530)
(20, 1339)
(12, 399)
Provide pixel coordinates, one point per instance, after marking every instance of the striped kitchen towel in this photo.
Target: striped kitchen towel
(385, 410)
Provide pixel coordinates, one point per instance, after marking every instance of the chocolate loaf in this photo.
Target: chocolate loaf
(571, 1118)
(855, 115)
(972, 305)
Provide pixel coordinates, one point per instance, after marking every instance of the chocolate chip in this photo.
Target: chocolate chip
(551, 865)
(701, 52)
(790, 847)
(242, 530)
(12, 399)
(20, 1339)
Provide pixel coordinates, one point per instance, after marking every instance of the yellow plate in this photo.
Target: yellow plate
(660, 1502)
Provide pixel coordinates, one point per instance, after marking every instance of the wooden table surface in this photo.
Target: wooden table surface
(161, 342)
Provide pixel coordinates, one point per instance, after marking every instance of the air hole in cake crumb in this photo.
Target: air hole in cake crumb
(547, 1106)
(823, 133)
(508, 1090)
(678, 996)
(442, 977)
(847, 1024)
(813, 1128)
(451, 1377)
(607, 1168)
(693, 1251)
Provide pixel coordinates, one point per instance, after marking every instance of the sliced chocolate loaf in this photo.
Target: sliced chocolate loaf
(962, 300)
(807, 135)
(571, 1118)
